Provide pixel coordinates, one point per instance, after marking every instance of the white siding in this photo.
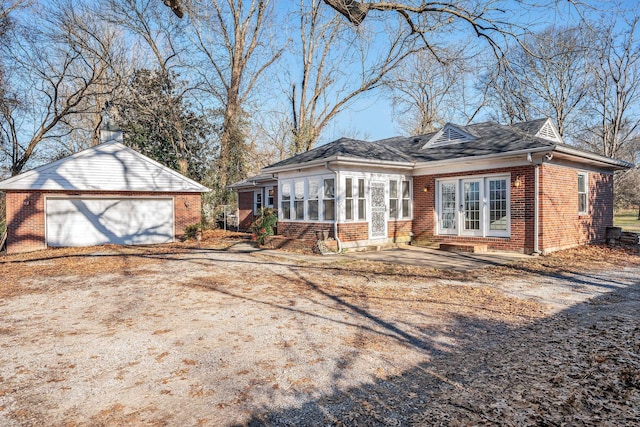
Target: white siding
(105, 167)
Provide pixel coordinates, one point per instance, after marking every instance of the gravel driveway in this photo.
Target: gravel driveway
(227, 337)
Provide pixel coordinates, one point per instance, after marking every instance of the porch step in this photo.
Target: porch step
(463, 247)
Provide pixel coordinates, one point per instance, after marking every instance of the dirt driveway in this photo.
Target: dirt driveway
(216, 336)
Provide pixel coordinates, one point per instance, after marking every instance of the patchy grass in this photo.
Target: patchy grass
(627, 219)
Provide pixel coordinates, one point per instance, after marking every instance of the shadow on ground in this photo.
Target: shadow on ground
(579, 367)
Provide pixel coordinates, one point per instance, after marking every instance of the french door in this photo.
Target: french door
(472, 212)
(476, 206)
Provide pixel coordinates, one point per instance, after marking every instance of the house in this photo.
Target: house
(105, 194)
(516, 188)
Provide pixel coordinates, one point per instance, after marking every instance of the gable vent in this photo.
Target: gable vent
(547, 132)
(450, 135)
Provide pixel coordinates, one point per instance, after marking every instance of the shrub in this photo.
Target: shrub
(264, 225)
(190, 230)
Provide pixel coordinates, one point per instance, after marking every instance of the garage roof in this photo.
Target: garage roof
(110, 166)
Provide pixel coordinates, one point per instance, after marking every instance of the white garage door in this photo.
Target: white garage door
(74, 221)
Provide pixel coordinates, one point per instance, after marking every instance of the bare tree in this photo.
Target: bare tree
(336, 67)
(614, 94)
(426, 91)
(161, 41)
(51, 75)
(545, 75)
(232, 37)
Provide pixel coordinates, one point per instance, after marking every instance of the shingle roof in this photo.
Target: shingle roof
(348, 148)
(489, 138)
(109, 166)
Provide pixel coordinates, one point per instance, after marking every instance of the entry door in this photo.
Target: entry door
(448, 205)
(472, 207)
(378, 210)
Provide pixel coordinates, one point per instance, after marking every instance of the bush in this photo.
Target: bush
(191, 230)
(264, 225)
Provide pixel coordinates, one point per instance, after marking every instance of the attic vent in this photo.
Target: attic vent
(450, 134)
(547, 132)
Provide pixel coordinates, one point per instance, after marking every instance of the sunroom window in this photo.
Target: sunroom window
(348, 194)
(393, 198)
(298, 201)
(329, 199)
(362, 200)
(312, 202)
(285, 201)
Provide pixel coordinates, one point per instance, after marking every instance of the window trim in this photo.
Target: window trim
(585, 192)
(351, 198)
(257, 194)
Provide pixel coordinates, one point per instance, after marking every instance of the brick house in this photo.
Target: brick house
(105, 194)
(515, 188)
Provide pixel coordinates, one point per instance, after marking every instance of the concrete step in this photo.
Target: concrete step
(473, 248)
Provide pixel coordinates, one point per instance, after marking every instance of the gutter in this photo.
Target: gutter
(592, 156)
(346, 160)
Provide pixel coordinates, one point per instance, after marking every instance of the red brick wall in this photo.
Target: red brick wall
(399, 229)
(25, 221)
(353, 231)
(522, 210)
(303, 230)
(560, 224)
(187, 210)
(245, 209)
(25, 214)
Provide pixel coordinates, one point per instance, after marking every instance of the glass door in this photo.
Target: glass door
(471, 207)
(448, 201)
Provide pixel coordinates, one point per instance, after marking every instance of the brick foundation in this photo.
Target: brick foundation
(26, 217)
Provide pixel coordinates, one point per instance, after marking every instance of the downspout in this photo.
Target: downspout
(536, 209)
(335, 221)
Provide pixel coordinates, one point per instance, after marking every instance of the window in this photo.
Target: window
(298, 201)
(393, 199)
(362, 201)
(285, 203)
(270, 197)
(583, 185)
(257, 202)
(312, 200)
(348, 194)
(497, 204)
(406, 200)
(328, 200)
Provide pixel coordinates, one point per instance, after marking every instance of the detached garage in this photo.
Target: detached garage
(107, 194)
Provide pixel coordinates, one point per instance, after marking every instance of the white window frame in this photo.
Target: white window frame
(291, 182)
(361, 199)
(257, 194)
(405, 215)
(352, 198)
(585, 193)
(485, 218)
(272, 197)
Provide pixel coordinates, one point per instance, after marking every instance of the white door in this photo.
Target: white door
(378, 210)
(472, 212)
(448, 207)
(72, 221)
